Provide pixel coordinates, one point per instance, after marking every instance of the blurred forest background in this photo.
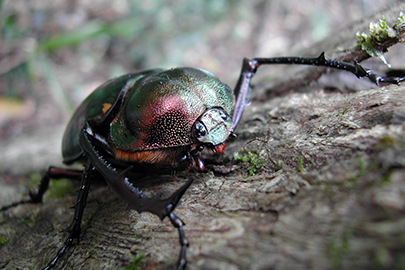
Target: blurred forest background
(53, 53)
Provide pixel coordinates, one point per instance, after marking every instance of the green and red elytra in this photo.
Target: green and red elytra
(163, 115)
(158, 120)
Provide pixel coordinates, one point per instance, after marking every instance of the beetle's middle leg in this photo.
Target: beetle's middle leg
(74, 227)
(52, 173)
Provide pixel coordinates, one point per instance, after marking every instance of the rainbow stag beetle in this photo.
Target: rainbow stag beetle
(158, 120)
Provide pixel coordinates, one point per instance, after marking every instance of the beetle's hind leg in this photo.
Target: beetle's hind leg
(52, 173)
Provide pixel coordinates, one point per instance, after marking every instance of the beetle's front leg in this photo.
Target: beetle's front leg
(250, 66)
(133, 196)
(74, 228)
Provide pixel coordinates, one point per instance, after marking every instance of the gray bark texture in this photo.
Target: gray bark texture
(328, 190)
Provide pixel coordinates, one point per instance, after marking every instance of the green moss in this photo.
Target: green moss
(251, 157)
(3, 240)
(362, 166)
(135, 262)
(379, 33)
(355, 175)
(57, 188)
(61, 188)
(341, 114)
(34, 180)
(30, 221)
(401, 18)
(300, 165)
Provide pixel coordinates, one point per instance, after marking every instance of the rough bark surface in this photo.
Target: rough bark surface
(328, 193)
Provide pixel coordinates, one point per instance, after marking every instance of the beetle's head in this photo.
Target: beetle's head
(213, 127)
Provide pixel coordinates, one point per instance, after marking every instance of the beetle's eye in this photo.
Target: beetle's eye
(200, 130)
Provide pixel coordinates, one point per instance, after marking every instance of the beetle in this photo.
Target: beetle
(158, 120)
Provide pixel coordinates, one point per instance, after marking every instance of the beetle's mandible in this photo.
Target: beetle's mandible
(158, 120)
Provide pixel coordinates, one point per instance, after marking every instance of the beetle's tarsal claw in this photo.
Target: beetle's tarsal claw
(34, 197)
